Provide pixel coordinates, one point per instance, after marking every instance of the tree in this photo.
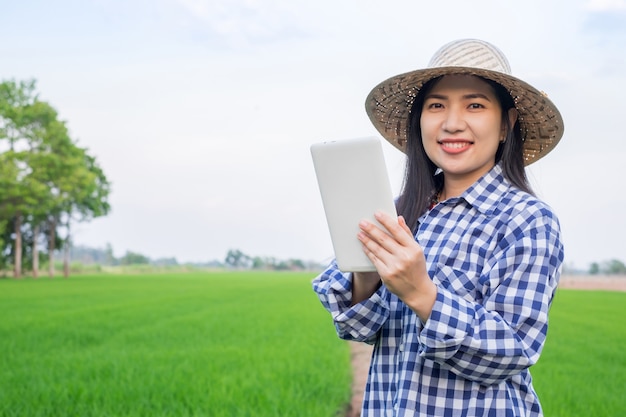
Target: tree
(109, 256)
(49, 145)
(14, 98)
(611, 267)
(84, 197)
(20, 191)
(237, 259)
(20, 194)
(46, 180)
(4, 239)
(615, 267)
(133, 258)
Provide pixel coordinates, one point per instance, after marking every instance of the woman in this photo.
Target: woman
(457, 309)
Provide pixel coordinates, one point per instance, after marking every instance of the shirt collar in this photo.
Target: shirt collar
(486, 193)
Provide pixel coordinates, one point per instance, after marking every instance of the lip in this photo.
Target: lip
(455, 146)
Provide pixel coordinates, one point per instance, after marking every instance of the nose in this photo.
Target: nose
(454, 120)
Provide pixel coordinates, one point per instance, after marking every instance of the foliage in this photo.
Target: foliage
(222, 344)
(89, 255)
(105, 257)
(46, 180)
(612, 267)
(133, 258)
(236, 259)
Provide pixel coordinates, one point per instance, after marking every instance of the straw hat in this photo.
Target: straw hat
(389, 103)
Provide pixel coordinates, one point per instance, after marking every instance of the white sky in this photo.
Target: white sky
(201, 112)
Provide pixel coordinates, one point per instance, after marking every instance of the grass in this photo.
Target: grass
(582, 371)
(242, 344)
(198, 344)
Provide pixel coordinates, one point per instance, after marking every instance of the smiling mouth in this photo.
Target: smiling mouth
(455, 146)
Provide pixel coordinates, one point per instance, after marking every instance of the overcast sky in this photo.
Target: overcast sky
(201, 112)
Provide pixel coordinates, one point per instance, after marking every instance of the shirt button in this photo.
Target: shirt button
(401, 347)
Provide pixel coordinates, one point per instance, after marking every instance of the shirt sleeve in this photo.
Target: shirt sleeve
(360, 322)
(491, 340)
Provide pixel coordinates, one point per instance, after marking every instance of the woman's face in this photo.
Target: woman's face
(461, 126)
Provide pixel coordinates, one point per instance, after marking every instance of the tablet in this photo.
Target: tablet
(354, 184)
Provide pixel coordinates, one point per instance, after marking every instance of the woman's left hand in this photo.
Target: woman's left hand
(400, 262)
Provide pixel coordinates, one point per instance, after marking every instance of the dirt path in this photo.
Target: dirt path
(586, 282)
(361, 353)
(360, 358)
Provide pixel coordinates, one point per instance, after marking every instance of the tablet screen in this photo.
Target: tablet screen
(354, 184)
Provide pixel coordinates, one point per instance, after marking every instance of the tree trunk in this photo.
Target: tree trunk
(66, 253)
(35, 252)
(17, 267)
(52, 224)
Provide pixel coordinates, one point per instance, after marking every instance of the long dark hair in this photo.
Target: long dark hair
(420, 181)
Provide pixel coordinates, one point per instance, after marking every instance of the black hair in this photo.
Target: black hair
(420, 181)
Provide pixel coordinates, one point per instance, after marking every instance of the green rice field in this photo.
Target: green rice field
(242, 344)
(212, 344)
(582, 371)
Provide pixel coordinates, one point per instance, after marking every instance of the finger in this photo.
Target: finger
(377, 251)
(376, 261)
(396, 227)
(409, 232)
(377, 237)
(405, 226)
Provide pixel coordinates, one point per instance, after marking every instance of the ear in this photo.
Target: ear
(512, 114)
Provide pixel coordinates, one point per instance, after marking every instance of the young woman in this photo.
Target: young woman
(457, 309)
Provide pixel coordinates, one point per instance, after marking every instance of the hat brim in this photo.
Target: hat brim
(388, 106)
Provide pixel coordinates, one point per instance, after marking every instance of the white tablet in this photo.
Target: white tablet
(354, 184)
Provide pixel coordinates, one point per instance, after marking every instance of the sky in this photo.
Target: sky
(201, 112)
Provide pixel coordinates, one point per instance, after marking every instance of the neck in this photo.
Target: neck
(451, 190)
(455, 185)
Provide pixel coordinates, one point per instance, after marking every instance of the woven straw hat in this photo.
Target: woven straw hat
(389, 103)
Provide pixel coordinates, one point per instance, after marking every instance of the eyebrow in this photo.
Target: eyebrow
(465, 97)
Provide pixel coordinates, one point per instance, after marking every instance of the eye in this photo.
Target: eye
(476, 106)
(434, 105)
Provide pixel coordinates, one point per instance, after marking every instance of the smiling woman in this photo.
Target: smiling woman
(462, 128)
(457, 310)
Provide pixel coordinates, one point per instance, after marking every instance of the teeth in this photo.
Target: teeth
(455, 145)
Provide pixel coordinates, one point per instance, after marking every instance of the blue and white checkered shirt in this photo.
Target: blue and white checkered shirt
(495, 254)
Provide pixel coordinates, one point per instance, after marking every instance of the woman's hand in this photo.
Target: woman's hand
(400, 262)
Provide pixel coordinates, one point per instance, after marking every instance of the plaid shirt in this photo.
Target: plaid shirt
(495, 254)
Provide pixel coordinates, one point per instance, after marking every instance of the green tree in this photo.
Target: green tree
(19, 189)
(14, 98)
(46, 180)
(615, 267)
(134, 258)
(49, 146)
(89, 198)
(237, 259)
(20, 193)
